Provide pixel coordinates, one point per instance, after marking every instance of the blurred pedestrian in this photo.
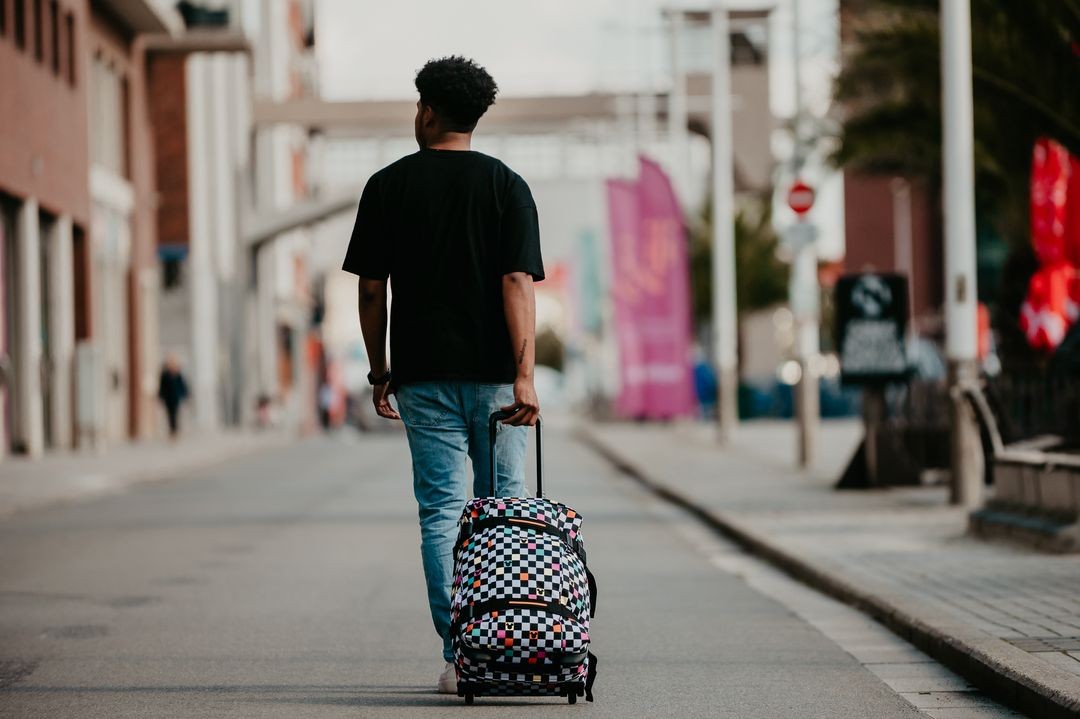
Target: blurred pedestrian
(326, 403)
(264, 412)
(172, 391)
(705, 384)
(457, 231)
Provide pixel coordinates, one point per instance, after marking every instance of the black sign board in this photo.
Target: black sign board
(871, 319)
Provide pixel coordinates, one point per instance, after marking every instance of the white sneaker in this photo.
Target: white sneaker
(448, 680)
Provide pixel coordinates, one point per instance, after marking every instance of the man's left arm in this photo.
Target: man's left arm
(521, 265)
(373, 323)
(519, 306)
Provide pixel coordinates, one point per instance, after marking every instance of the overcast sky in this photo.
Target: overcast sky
(371, 49)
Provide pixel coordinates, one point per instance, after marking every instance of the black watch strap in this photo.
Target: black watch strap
(381, 379)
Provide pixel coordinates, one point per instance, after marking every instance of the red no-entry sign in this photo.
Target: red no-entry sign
(800, 197)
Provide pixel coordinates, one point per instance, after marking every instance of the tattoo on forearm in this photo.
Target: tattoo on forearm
(521, 354)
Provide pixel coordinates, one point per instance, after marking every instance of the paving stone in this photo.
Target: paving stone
(905, 685)
(910, 670)
(907, 544)
(972, 713)
(1061, 660)
(946, 700)
(893, 655)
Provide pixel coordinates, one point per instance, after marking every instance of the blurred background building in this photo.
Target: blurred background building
(174, 184)
(129, 168)
(179, 179)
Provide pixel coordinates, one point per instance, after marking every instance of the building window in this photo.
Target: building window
(125, 126)
(69, 28)
(39, 35)
(20, 24)
(108, 126)
(54, 35)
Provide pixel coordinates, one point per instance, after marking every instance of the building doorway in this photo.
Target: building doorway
(46, 225)
(8, 289)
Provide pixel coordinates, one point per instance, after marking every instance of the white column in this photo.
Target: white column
(678, 134)
(725, 318)
(201, 264)
(266, 321)
(30, 416)
(61, 308)
(221, 163)
(959, 209)
(903, 242)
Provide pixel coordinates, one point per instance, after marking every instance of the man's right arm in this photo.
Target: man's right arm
(373, 323)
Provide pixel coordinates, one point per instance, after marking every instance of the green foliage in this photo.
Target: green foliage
(761, 279)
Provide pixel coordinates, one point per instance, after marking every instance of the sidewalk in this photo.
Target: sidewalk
(1006, 617)
(56, 478)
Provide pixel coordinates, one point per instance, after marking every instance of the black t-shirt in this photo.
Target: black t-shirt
(445, 226)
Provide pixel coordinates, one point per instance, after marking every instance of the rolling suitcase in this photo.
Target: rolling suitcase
(522, 595)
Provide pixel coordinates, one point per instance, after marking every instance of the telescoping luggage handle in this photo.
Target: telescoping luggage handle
(493, 429)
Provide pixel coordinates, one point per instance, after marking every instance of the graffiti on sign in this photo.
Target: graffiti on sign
(871, 315)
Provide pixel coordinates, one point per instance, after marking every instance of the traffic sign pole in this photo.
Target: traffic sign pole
(803, 296)
(804, 306)
(804, 284)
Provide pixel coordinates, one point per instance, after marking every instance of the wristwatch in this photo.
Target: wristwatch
(381, 379)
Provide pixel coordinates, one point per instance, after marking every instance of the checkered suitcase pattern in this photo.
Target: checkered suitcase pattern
(522, 598)
(523, 562)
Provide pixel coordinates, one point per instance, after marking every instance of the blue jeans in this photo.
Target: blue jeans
(445, 423)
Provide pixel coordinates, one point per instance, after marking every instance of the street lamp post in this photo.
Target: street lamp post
(959, 210)
(677, 109)
(725, 319)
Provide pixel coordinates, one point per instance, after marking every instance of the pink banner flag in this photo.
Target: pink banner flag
(651, 296)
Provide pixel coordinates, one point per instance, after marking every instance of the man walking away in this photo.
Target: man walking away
(172, 390)
(456, 233)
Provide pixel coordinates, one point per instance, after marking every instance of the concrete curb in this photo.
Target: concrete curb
(1001, 670)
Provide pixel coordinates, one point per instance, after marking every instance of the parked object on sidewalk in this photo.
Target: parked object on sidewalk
(522, 595)
(1035, 481)
(172, 391)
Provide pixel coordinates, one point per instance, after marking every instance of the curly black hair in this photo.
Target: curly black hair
(458, 89)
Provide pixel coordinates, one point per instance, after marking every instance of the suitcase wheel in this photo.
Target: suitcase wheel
(572, 697)
(469, 698)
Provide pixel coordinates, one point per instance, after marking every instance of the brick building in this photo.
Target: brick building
(76, 223)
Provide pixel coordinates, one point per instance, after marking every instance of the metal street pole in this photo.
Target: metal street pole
(959, 209)
(725, 318)
(677, 112)
(805, 288)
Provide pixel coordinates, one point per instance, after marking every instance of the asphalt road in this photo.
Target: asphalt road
(289, 585)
